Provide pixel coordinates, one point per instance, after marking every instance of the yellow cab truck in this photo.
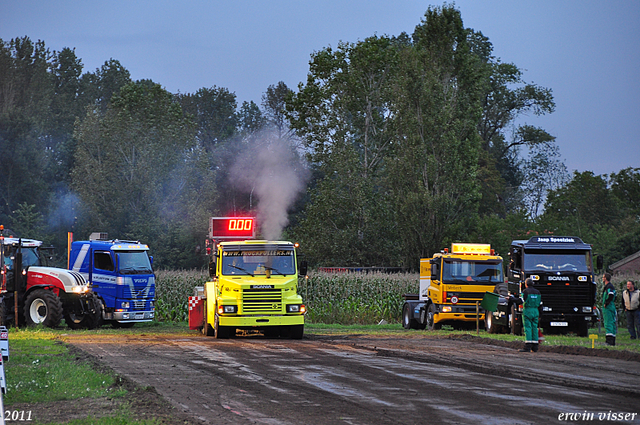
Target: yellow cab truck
(253, 284)
(450, 285)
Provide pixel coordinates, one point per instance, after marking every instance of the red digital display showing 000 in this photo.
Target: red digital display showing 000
(232, 227)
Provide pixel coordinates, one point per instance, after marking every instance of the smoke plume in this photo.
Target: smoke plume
(270, 170)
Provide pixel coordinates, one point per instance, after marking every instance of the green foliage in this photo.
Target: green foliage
(172, 291)
(41, 369)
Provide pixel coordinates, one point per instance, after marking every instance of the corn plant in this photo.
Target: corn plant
(173, 287)
(356, 298)
(342, 298)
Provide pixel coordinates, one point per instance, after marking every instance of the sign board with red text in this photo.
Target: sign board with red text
(237, 228)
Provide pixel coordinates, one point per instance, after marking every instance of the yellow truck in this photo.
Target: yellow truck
(450, 285)
(254, 284)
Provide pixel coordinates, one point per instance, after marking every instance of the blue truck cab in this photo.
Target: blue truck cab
(121, 274)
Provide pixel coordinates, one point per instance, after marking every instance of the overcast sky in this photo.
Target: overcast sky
(586, 51)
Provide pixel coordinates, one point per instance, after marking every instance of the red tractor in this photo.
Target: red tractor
(32, 294)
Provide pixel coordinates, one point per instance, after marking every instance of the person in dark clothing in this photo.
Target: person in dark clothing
(532, 299)
(609, 313)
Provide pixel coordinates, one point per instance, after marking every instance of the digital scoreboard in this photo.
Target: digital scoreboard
(232, 227)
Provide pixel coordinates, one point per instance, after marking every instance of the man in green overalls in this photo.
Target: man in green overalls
(532, 299)
(609, 313)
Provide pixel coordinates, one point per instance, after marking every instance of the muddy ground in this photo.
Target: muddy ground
(355, 379)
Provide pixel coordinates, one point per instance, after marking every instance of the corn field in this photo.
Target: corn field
(341, 298)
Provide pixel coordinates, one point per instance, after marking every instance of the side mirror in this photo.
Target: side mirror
(151, 260)
(212, 268)
(303, 268)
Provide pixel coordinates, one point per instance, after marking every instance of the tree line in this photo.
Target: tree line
(394, 147)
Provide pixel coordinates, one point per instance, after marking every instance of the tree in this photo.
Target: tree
(433, 172)
(25, 98)
(214, 111)
(342, 116)
(138, 168)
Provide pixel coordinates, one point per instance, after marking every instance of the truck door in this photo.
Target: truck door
(104, 276)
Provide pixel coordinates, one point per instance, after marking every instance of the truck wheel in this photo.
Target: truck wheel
(490, 325)
(207, 330)
(516, 328)
(431, 313)
(221, 332)
(44, 307)
(582, 329)
(88, 320)
(296, 331)
(406, 317)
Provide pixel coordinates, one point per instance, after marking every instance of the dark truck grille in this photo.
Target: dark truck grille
(563, 298)
(256, 301)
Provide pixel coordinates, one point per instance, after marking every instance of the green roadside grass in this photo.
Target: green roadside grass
(42, 368)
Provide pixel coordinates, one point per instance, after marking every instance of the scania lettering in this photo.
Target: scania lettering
(450, 285)
(254, 284)
(120, 273)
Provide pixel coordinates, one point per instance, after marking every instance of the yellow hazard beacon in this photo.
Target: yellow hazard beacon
(450, 285)
(254, 284)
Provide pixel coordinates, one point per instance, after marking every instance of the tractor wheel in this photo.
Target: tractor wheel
(88, 320)
(43, 306)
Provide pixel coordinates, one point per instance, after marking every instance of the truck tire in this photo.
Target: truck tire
(516, 327)
(489, 324)
(221, 332)
(296, 331)
(207, 330)
(89, 320)
(43, 306)
(582, 329)
(431, 312)
(409, 322)
(4, 314)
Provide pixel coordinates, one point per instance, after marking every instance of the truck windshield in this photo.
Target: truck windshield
(134, 262)
(470, 272)
(560, 261)
(257, 262)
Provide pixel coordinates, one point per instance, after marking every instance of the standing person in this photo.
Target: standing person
(609, 313)
(532, 299)
(631, 298)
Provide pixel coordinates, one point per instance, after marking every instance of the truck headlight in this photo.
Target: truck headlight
(587, 309)
(80, 289)
(446, 309)
(296, 308)
(125, 304)
(227, 309)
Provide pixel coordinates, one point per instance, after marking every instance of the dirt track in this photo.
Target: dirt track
(360, 379)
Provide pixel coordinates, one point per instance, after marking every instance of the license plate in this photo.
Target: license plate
(139, 315)
(559, 324)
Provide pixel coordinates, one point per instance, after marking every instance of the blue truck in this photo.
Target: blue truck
(120, 273)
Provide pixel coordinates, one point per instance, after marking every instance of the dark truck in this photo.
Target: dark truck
(561, 268)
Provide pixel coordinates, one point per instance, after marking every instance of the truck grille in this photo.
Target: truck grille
(139, 305)
(563, 298)
(261, 301)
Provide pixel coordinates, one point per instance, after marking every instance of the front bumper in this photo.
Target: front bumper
(260, 321)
